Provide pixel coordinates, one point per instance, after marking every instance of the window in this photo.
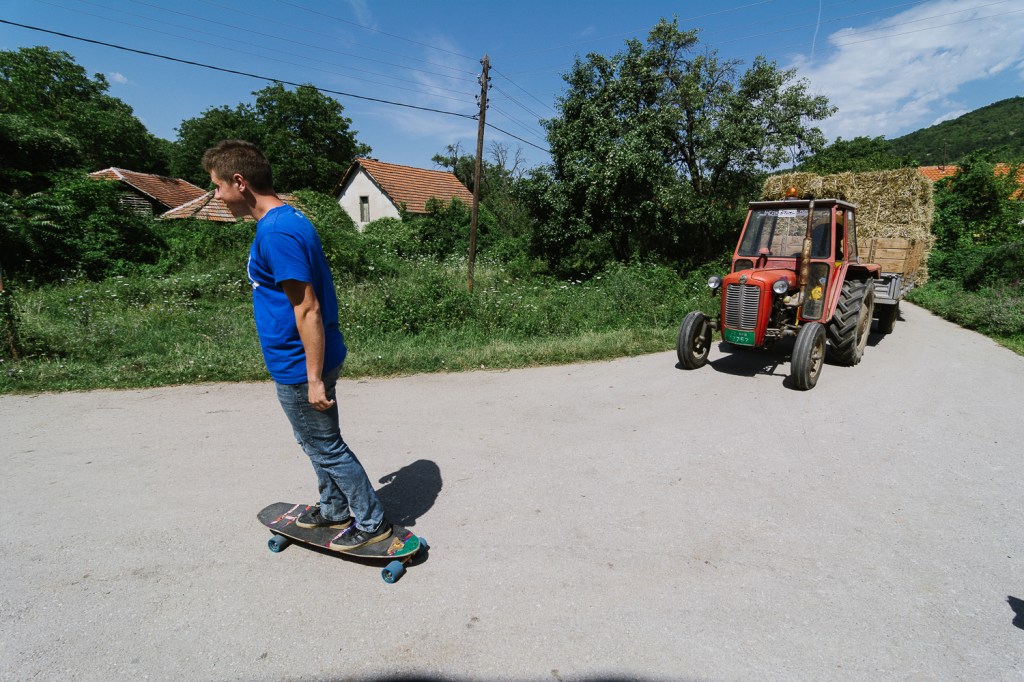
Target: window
(364, 209)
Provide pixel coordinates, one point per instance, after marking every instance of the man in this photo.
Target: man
(296, 312)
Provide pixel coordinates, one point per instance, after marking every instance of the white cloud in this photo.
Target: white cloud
(899, 74)
(119, 78)
(949, 116)
(364, 15)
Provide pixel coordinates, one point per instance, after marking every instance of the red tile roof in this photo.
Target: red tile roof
(169, 192)
(208, 208)
(410, 186)
(936, 173)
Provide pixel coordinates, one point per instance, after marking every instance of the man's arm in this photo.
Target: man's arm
(311, 330)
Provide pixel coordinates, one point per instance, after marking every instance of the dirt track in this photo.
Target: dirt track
(612, 519)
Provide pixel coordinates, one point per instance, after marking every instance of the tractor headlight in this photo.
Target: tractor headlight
(781, 286)
(714, 281)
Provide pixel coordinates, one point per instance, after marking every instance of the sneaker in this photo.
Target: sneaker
(312, 518)
(354, 537)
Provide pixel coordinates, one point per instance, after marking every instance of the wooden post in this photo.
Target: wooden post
(7, 317)
(478, 171)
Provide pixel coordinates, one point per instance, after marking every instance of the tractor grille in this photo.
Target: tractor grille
(742, 302)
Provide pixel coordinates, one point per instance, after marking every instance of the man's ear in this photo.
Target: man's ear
(239, 181)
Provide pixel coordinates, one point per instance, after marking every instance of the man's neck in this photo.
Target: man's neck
(263, 204)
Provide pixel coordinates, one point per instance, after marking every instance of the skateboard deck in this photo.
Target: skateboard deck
(280, 518)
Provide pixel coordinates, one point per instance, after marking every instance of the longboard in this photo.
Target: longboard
(400, 547)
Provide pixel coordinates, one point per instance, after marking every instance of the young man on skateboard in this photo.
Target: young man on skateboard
(296, 312)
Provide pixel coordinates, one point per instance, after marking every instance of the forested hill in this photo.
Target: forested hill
(998, 127)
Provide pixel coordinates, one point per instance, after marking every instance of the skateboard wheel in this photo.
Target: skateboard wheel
(424, 547)
(278, 543)
(393, 571)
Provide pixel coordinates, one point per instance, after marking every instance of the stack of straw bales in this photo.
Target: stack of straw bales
(895, 203)
(890, 204)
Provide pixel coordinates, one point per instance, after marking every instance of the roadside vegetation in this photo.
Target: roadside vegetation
(976, 266)
(595, 256)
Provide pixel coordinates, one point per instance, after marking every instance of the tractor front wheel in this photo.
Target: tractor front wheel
(694, 341)
(808, 356)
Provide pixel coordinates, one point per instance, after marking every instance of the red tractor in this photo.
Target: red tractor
(795, 272)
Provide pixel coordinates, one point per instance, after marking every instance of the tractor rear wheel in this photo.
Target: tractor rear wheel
(848, 330)
(808, 356)
(694, 341)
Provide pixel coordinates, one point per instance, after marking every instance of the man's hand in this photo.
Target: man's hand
(318, 396)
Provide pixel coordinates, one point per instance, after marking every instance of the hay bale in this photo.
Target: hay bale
(890, 204)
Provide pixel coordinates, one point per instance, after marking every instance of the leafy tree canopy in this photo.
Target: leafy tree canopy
(656, 146)
(54, 116)
(859, 155)
(302, 131)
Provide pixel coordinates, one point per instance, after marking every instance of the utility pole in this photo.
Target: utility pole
(478, 171)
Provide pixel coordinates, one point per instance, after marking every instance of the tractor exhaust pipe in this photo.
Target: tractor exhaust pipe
(805, 252)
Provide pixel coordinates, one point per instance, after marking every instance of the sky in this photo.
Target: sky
(407, 71)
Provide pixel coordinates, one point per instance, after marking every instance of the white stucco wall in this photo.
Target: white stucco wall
(362, 186)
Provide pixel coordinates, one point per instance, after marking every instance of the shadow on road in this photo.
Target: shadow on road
(410, 492)
(1018, 611)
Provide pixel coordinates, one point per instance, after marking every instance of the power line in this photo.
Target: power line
(874, 30)
(517, 103)
(276, 21)
(260, 56)
(234, 71)
(294, 42)
(375, 30)
(633, 33)
(516, 137)
(513, 120)
(536, 99)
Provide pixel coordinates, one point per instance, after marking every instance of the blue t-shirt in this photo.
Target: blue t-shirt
(287, 246)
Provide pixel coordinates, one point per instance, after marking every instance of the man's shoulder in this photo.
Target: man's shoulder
(285, 219)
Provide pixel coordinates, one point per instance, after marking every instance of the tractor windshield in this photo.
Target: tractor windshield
(781, 231)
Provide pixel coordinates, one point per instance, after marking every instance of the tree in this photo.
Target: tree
(501, 191)
(196, 135)
(656, 146)
(975, 206)
(859, 155)
(52, 106)
(302, 132)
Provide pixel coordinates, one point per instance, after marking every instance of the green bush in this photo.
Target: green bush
(338, 234)
(188, 243)
(1000, 267)
(79, 227)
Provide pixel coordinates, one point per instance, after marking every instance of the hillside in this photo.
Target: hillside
(997, 126)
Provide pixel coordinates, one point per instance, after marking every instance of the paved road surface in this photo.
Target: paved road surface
(617, 519)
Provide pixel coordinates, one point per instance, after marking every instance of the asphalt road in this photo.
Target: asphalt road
(622, 519)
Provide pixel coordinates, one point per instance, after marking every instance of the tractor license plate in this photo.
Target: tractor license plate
(738, 337)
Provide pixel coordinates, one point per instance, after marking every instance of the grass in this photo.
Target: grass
(996, 312)
(149, 330)
(196, 325)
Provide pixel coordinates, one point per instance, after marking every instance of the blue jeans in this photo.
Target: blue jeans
(345, 489)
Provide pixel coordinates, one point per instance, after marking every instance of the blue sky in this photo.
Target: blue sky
(891, 67)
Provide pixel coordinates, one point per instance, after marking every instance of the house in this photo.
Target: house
(372, 189)
(150, 194)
